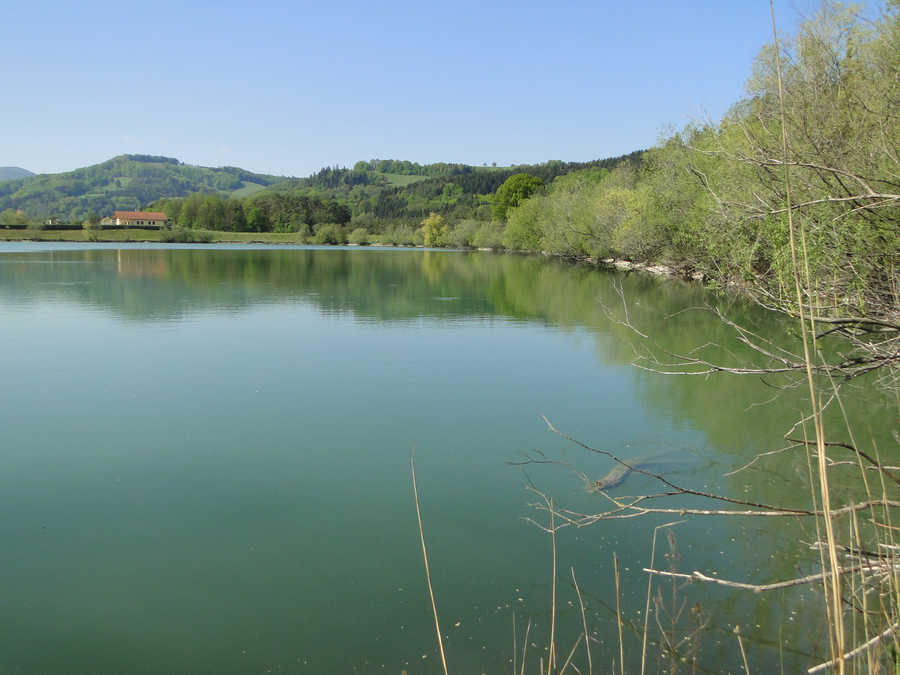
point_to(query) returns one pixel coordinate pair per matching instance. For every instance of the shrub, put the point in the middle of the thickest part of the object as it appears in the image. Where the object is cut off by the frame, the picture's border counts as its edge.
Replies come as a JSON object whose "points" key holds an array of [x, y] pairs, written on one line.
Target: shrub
{"points": [[463, 235], [359, 236], [92, 230], [489, 235], [328, 233]]}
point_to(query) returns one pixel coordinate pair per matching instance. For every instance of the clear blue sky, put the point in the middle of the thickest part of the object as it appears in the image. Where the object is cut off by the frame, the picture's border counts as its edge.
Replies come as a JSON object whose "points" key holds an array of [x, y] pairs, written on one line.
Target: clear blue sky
{"points": [[288, 87]]}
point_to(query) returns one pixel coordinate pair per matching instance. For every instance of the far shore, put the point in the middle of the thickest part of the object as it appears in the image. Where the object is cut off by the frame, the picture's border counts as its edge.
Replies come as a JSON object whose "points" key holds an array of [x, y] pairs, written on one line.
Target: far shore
{"points": [[139, 236], [149, 236]]}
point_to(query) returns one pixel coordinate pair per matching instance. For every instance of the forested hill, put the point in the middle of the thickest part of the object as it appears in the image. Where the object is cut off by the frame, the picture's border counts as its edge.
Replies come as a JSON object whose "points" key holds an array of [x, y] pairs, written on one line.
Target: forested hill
{"points": [[378, 189], [126, 182], [13, 172], [397, 189]]}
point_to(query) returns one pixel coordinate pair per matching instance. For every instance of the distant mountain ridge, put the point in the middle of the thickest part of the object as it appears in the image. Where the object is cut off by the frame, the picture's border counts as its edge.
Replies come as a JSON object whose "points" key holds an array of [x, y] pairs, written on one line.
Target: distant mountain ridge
{"points": [[127, 183], [14, 173]]}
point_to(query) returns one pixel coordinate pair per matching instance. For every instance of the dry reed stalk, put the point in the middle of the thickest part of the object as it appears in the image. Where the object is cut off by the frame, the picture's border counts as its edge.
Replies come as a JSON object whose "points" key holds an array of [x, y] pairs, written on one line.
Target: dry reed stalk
{"points": [[525, 647], [551, 657], [832, 594], [737, 632], [437, 625], [515, 644], [587, 638], [649, 591], [619, 616], [571, 654]]}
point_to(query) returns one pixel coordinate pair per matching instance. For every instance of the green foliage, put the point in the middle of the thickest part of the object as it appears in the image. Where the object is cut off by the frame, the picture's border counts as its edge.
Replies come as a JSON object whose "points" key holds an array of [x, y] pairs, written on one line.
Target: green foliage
{"points": [[328, 233], [488, 235], [515, 189], [13, 217], [92, 229], [401, 235], [359, 236], [434, 231], [524, 228], [393, 190], [463, 235]]}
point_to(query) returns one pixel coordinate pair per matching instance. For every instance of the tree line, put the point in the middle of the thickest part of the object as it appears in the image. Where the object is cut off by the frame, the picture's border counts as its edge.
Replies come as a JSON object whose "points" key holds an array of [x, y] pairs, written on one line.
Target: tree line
{"points": [[266, 212]]}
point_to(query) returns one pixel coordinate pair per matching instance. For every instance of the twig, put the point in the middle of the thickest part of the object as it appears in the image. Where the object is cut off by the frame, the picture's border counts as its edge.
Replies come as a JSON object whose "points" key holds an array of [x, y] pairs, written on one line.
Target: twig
{"points": [[855, 450], [437, 625]]}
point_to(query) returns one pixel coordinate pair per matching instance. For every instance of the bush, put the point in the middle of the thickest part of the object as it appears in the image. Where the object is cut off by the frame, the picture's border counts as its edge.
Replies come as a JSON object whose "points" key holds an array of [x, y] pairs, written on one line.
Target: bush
{"points": [[463, 235], [489, 235], [328, 233], [402, 235], [359, 236], [92, 230]]}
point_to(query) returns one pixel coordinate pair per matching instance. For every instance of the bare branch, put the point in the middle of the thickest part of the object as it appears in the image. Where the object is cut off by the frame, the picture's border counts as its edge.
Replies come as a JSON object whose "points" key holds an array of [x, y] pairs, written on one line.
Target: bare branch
{"points": [[857, 651], [762, 588]]}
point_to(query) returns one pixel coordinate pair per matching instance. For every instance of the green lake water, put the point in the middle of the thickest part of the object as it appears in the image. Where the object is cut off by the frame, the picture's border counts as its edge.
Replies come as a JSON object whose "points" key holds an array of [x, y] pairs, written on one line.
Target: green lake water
{"points": [[205, 461]]}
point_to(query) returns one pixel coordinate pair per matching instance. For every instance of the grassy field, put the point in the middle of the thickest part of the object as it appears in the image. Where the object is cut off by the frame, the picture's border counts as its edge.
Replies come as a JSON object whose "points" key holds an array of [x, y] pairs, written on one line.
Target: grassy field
{"points": [[248, 188], [148, 235]]}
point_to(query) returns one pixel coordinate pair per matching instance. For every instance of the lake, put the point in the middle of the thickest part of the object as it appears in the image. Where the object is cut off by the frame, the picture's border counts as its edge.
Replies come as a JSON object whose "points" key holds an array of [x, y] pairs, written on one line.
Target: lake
{"points": [[206, 462]]}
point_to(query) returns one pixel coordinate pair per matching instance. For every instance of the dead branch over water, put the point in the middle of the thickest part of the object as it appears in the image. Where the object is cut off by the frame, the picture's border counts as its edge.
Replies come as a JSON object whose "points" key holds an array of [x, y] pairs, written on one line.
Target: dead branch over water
{"points": [[865, 571]]}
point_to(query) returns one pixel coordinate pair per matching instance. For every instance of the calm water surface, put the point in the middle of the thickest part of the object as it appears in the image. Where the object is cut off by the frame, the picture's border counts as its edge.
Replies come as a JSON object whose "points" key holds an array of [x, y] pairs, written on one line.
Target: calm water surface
{"points": [[204, 461]]}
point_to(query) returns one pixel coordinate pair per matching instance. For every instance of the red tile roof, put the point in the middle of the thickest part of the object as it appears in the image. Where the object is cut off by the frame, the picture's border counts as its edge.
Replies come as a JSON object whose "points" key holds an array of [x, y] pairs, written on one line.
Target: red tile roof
{"points": [[140, 215]]}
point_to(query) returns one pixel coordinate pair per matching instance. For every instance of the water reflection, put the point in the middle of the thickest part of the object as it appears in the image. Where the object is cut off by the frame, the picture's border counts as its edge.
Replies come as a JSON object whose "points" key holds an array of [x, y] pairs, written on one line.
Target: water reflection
{"points": [[270, 397]]}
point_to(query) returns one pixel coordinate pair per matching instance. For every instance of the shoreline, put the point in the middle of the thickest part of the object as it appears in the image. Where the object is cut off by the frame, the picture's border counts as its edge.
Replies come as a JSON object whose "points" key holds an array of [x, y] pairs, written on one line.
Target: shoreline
{"points": [[294, 239]]}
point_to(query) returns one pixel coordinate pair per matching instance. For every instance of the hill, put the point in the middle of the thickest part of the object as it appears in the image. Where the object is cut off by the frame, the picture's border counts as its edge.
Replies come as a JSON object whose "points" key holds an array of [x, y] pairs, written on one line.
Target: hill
{"points": [[13, 173], [126, 182], [387, 189]]}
